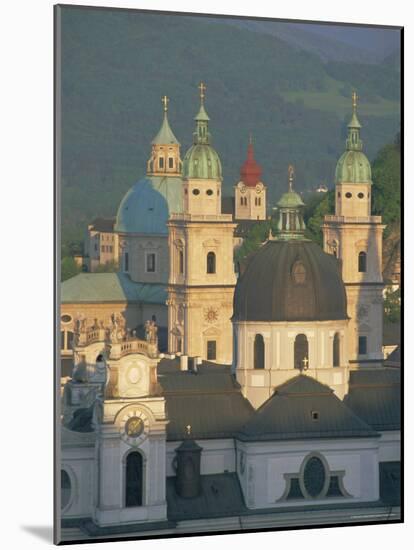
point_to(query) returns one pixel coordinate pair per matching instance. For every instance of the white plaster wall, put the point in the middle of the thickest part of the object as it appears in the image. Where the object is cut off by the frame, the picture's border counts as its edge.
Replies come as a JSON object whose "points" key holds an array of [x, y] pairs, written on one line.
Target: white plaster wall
{"points": [[79, 463], [263, 481], [390, 446], [279, 338]]}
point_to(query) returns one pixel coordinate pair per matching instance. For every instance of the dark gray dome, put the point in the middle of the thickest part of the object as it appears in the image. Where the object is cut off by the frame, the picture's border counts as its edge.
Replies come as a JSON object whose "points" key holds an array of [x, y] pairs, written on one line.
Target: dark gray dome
{"points": [[290, 281]]}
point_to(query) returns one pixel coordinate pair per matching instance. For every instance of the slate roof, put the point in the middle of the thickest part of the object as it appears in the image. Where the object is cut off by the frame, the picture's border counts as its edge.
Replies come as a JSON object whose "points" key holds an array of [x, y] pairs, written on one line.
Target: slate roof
{"points": [[220, 496], [394, 358], [104, 225], [287, 415], [110, 287], [375, 396], [210, 401], [267, 290]]}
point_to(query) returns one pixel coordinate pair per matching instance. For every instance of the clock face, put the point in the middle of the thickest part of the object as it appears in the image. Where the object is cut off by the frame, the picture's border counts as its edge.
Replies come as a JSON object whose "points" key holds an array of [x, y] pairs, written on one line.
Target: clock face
{"points": [[258, 189], [134, 426], [243, 189]]}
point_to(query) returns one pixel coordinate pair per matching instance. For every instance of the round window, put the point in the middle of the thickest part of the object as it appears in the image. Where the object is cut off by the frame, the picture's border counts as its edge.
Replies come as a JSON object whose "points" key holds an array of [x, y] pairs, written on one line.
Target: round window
{"points": [[314, 476], [196, 191], [65, 487], [66, 318], [348, 195], [360, 195], [209, 192]]}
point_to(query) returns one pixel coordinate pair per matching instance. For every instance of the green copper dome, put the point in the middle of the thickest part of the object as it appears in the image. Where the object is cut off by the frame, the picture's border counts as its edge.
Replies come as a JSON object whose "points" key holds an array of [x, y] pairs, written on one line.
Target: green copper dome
{"points": [[202, 161], [290, 224], [291, 199], [353, 166]]}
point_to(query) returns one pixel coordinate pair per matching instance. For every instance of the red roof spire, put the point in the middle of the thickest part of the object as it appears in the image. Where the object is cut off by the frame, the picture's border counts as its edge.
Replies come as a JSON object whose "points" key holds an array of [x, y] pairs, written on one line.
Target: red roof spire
{"points": [[250, 171]]}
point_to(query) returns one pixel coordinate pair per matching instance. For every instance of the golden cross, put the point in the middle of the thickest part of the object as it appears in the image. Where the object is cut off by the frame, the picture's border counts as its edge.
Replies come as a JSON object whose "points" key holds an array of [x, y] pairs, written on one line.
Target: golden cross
{"points": [[354, 100], [250, 138], [305, 362], [291, 173], [188, 429], [202, 87], [165, 101]]}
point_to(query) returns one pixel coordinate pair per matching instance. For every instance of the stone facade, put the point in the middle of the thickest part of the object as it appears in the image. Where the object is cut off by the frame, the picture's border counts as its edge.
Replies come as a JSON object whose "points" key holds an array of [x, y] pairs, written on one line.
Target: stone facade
{"points": [[354, 236], [250, 202], [279, 339], [200, 303]]}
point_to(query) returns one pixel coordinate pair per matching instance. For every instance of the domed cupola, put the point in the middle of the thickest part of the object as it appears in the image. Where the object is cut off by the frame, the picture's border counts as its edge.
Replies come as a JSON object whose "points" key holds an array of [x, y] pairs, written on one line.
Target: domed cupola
{"points": [[290, 223], [353, 166], [290, 278], [146, 207], [202, 161]]}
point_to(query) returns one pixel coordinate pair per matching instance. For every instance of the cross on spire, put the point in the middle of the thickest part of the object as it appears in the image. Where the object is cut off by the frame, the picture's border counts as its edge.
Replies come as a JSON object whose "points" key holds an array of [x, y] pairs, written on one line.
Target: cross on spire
{"points": [[202, 87], [165, 101], [188, 428], [291, 173], [304, 364], [354, 100]]}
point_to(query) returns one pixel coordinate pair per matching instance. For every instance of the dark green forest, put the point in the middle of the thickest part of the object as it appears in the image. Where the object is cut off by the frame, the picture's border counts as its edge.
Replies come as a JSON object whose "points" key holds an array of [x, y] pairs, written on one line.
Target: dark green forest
{"points": [[117, 65]]}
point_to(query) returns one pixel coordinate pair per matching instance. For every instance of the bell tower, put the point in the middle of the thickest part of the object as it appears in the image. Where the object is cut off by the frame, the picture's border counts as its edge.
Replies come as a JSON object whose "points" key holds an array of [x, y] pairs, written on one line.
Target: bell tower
{"points": [[165, 149], [250, 191], [202, 278], [354, 236]]}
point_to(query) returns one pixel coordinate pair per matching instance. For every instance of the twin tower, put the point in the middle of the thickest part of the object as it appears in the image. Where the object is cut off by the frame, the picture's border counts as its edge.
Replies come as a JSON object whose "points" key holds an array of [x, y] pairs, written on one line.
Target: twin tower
{"points": [[201, 244]]}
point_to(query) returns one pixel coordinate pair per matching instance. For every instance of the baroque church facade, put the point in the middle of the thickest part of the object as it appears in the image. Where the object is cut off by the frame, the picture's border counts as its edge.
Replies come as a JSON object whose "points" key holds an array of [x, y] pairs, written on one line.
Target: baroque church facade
{"points": [[285, 404]]}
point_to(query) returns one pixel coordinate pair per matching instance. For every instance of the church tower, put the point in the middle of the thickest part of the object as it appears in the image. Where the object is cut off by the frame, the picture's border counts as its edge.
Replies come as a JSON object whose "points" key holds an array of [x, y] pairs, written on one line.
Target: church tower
{"points": [[250, 192], [354, 236], [202, 278]]}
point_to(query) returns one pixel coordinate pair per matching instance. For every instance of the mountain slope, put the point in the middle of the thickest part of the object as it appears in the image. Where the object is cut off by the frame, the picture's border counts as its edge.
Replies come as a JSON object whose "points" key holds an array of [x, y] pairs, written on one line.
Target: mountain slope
{"points": [[116, 65]]}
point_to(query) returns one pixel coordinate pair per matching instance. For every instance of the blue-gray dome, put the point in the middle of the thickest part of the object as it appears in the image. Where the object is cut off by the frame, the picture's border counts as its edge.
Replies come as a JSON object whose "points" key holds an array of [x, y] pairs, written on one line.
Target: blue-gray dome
{"points": [[148, 204]]}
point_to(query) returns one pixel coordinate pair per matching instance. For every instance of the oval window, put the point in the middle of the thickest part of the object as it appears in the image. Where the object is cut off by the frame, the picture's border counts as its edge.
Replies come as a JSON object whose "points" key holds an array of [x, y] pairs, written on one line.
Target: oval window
{"points": [[299, 273], [65, 488], [314, 476], [348, 195], [360, 195], [196, 191], [209, 192], [66, 318]]}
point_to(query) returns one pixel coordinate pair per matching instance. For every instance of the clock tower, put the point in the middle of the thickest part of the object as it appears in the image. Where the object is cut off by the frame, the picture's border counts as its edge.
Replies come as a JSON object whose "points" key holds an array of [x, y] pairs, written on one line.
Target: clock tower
{"points": [[202, 278], [250, 191], [115, 377]]}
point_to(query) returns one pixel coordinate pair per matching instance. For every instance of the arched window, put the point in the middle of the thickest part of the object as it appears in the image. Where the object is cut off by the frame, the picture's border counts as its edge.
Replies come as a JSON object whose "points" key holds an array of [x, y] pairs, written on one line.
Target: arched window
{"points": [[126, 262], [336, 350], [259, 352], [284, 220], [301, 352], [65, 488], [362, 262], [181, 261], [211, 262], [134, 479]]}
